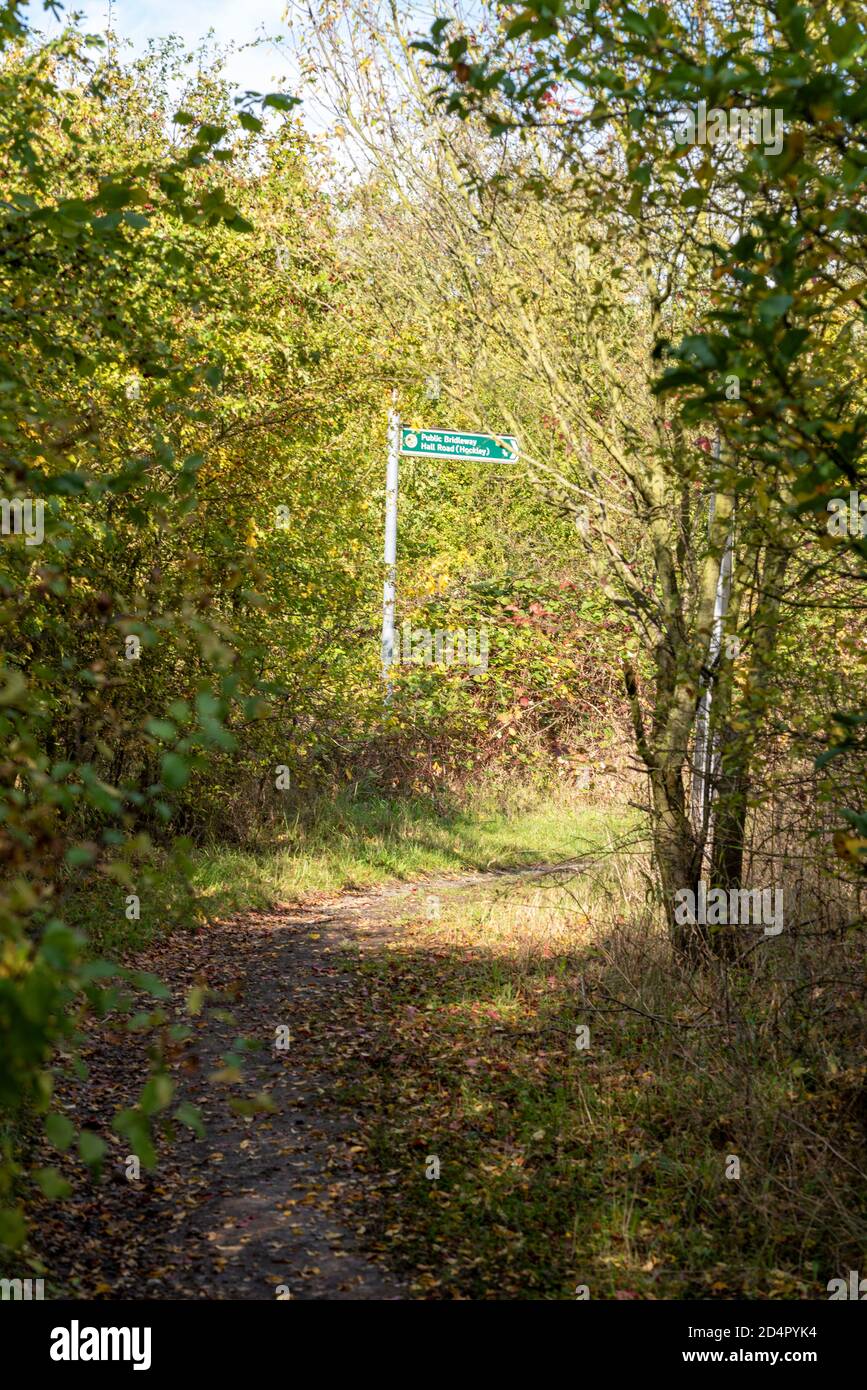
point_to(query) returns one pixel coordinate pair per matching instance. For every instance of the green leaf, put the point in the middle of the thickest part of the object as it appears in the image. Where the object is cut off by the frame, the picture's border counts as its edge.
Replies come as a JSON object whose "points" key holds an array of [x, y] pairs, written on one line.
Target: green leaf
{"points": [[210, 134], [150, 983], [13, 1228], [133, 1125], [636, 24], [52, 1182], [773, 308], [191, 1116], [281, 101], [157, 1094], [260, 1103], [80, 854], [91, 1148], [161, 728], [59, 1130], [174, 771]]}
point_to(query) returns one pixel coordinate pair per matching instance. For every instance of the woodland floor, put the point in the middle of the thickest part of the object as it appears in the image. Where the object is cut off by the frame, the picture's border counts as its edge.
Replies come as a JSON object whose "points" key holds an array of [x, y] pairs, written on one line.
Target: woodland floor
{"points": [[438, 1128], [291, 1203]]}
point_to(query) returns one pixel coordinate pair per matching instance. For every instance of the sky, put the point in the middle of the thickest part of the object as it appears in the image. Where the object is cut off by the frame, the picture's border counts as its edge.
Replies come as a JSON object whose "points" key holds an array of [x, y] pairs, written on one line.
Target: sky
{"points": [[267, 67], [261, 69]]}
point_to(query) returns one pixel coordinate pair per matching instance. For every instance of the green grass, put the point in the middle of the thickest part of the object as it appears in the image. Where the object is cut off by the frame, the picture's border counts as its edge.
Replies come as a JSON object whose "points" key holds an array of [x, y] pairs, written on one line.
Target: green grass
{"points": [[603, 1166], [346, 843], [562, 1167], [357, 845]]}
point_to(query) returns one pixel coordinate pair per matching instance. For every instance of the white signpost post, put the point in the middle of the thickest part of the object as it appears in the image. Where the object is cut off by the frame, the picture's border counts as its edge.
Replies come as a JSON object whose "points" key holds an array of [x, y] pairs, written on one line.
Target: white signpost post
{"points": [[418, 443], [390, 586]]}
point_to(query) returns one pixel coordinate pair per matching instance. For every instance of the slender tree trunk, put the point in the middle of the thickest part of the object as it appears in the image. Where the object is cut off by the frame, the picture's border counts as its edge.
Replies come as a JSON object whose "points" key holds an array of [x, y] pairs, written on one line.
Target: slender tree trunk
{"points": [[738, 742], [677, 850]]}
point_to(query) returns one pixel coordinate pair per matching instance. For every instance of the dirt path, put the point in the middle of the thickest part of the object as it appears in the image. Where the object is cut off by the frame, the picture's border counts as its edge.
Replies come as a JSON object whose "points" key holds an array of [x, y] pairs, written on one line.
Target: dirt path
{"points": [[275, 1205]]}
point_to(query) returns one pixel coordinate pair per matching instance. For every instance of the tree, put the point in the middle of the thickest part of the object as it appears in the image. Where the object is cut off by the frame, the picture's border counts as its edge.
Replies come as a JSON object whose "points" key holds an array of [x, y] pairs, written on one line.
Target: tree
{"points": [[545, 281]]}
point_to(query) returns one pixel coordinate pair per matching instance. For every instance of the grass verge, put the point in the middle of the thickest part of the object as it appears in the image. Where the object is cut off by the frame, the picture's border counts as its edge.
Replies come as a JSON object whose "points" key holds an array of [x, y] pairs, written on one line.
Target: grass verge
{"points": [[347, 844], [703, 1139]]}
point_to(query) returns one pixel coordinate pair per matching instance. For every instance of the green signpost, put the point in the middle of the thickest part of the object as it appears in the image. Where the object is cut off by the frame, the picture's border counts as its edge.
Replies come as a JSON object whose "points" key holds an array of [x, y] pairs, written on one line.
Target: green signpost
{"points": [[456, 444], [435, 444]]}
